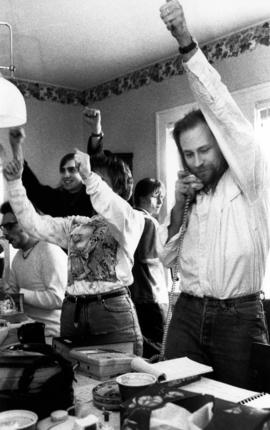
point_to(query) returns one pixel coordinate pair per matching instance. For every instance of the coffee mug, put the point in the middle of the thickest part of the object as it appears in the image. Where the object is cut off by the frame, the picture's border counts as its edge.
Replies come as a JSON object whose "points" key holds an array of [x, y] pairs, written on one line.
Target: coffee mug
{"points": [[131, 384]]}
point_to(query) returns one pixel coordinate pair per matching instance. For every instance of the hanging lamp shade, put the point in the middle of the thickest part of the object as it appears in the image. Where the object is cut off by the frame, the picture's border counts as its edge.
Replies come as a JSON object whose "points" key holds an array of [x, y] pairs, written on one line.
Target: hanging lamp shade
{"points": [[12, 105]]}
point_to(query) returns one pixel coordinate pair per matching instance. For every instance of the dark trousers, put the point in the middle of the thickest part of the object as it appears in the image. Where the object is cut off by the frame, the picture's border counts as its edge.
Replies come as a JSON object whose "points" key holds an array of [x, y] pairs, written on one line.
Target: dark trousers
{"points": [[218, 333], [151, 320]]}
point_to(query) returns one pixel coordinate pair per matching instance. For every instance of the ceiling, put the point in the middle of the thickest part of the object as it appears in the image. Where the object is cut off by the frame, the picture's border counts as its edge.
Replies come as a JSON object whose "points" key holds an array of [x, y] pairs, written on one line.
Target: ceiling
{"points": [[82, 43]]}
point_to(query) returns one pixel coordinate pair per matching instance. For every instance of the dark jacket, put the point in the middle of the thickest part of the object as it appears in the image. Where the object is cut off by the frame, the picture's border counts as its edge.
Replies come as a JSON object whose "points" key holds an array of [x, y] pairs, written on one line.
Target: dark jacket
{"points": [[55, 201]]}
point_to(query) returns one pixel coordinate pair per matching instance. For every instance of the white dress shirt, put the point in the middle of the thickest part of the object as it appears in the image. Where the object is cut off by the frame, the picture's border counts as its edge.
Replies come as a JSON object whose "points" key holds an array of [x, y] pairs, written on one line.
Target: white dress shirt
{"points": [[227, 239]]}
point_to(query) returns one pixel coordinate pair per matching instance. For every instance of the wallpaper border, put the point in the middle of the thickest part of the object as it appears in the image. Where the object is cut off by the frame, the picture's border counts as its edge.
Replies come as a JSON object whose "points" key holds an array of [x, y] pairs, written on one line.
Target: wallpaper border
{"points": [[225, 47]]}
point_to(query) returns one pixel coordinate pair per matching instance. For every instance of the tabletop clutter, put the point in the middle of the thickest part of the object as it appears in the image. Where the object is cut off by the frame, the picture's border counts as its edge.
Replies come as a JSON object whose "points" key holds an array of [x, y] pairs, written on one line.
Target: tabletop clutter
{"points": [[112, 388]]}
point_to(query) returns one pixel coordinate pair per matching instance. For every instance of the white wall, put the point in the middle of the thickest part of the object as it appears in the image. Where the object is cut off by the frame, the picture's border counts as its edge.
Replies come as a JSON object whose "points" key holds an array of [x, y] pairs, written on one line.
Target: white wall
{"points": [[54, 129]]}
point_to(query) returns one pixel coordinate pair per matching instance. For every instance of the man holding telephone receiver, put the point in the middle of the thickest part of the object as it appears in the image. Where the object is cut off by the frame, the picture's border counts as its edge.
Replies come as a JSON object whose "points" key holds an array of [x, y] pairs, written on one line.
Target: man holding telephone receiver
{"points": [[223, 187]]}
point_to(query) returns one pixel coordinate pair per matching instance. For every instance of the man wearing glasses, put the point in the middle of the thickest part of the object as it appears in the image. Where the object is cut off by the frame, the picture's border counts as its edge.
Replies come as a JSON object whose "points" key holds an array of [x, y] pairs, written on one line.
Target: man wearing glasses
{"points": [[38, 271]]}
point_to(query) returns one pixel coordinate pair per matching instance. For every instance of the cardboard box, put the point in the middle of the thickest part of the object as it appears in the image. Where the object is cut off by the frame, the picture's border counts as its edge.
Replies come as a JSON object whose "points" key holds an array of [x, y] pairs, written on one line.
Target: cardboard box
{"points": [[100, 363]]}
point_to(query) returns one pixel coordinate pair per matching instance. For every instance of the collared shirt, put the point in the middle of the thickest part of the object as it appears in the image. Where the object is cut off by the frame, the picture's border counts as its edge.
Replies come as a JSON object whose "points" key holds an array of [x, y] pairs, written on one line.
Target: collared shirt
{"points": [[227, 239], [100, 248]]}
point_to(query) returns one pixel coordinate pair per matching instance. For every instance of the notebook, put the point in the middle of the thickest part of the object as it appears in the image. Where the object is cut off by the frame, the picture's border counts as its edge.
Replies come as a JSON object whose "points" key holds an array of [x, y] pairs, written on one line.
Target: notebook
{"points": [[259, 401], [174, 369], [220, 390], [230, 393]]}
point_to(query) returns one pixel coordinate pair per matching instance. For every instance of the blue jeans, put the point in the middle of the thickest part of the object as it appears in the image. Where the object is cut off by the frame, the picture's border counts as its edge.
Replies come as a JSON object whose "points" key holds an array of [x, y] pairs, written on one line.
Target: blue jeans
{"points": [[218, 333], [101, 322]]}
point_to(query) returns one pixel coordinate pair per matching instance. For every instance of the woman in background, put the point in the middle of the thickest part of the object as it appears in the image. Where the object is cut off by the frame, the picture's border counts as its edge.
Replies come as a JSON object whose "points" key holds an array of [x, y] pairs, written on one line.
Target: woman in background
{"points": [[149, 290]]}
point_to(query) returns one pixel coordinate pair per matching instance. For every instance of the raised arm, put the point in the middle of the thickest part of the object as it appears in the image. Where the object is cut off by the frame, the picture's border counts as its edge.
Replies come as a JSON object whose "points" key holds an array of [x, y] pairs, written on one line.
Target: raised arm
{"points": [[233, 132], [43, 227], [42, 196], [126, 223], [92, 118]]}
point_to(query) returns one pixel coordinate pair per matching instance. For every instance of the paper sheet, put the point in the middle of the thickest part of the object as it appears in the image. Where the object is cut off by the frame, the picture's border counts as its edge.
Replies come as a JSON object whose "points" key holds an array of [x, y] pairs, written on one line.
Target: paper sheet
{"points": [[176, 368]]}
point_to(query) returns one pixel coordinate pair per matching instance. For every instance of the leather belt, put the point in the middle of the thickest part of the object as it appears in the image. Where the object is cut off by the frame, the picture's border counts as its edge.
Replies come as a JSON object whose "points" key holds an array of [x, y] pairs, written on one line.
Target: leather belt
{"points": [[230, 301], [88, 298]]}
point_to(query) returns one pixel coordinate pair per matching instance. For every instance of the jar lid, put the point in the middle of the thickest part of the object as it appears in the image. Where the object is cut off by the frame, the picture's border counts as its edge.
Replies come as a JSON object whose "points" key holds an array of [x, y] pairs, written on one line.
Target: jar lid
{"points": [[60, 415]]}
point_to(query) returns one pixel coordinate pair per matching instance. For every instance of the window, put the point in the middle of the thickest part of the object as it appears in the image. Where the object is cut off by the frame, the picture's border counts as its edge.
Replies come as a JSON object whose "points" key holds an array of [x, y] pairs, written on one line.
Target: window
{"points": [[168, 159]]}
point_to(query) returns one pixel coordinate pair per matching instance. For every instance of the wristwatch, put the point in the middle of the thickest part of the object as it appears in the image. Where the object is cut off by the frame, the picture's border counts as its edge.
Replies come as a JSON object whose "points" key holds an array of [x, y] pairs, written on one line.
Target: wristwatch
{"points": [[186, 49]]}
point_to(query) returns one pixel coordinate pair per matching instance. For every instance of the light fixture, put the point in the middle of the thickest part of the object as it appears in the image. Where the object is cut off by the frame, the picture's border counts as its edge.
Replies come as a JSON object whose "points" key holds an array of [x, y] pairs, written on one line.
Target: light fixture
{"points": [[12, 104]]}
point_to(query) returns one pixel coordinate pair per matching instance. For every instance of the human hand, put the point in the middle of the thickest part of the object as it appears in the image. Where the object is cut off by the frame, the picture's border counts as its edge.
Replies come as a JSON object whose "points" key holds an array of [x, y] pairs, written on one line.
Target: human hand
{"points": [[82, 161], [186, 186], [16, 138], [13, 170], [172, 14], [93, 118]]}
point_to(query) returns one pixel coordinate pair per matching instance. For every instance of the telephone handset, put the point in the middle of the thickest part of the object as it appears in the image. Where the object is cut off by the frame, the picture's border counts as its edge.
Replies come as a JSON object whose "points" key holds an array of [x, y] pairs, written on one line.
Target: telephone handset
{"points": [[195, 183]]}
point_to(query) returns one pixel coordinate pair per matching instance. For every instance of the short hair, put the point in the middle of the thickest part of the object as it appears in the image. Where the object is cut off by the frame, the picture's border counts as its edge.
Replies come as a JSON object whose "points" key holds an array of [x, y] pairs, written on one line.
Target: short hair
{"points": [[65, 159], [6, 208], [189, 121], [145, 187], [118, 171]]}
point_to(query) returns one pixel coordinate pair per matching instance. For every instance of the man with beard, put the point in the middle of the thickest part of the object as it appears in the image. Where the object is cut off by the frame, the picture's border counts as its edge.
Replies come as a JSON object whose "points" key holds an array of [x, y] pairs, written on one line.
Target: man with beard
{"points": [[222, 193]]}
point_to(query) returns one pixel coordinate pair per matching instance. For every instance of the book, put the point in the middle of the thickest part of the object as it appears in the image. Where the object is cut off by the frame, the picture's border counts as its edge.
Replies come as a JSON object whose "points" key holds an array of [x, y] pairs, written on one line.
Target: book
{"points": [[174, 369]]}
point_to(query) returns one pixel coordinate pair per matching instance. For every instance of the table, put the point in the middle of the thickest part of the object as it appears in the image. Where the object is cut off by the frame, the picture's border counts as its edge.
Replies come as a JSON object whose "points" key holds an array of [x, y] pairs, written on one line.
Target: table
{"points": [[83, 398]]}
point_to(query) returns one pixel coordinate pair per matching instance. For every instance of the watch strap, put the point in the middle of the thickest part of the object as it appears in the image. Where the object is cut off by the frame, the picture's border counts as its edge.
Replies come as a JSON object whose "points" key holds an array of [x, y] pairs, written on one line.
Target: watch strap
{"points": [[186, 49]]}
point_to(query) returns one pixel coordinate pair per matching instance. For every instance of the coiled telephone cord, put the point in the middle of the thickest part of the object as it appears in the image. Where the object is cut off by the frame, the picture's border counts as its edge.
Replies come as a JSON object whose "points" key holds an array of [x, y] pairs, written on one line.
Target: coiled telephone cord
{"points": [[175, 278]]}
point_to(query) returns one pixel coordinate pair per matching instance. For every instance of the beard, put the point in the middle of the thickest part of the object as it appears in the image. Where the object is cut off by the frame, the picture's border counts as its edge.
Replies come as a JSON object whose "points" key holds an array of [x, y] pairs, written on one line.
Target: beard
{"points": [[211, 174]]}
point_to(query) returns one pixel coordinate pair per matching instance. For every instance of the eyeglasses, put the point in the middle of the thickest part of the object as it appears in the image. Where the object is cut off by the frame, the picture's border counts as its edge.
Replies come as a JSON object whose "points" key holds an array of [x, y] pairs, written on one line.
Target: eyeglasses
{"points": [[8, 226]]}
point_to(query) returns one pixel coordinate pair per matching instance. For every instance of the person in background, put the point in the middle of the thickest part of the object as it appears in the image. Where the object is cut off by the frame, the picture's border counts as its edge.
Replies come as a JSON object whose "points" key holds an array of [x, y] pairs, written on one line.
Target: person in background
{"points": [[38, 271], [224, 188], [95, 149], [149, 289], [70, 197], [97, 309]]}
